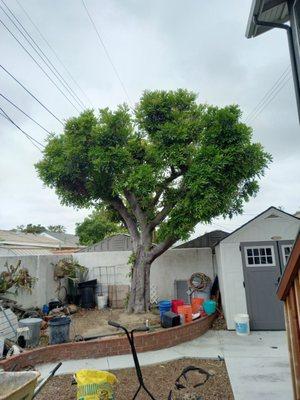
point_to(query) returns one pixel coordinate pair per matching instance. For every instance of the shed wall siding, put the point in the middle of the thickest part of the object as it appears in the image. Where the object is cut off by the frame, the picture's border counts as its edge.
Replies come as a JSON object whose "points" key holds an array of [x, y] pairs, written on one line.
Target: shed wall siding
{"points": [[230, 268]]}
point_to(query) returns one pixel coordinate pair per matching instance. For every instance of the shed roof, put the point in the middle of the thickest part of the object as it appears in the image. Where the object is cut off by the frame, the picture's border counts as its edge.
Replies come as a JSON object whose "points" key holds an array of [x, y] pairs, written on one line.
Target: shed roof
{"points": [[266, 10], [257, 216], [209, 239]]}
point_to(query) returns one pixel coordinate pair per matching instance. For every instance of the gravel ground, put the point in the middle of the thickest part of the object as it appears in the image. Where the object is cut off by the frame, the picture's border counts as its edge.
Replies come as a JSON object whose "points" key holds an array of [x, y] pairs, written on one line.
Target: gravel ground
{"points": [[159, 379]]}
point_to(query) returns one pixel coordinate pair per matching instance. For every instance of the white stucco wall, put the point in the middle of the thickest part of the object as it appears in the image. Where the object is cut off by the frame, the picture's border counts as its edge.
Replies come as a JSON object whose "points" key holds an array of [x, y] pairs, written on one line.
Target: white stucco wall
{"points": [[40, 267], [229, 259], [173, 265]]}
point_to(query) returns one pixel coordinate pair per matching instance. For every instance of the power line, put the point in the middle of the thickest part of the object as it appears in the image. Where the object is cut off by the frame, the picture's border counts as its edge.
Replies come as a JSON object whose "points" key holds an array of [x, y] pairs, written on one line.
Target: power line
{"points": [[54, 52], [29, 137], [269, 93], [37, 63], [106, 52], [23, 112], [32, 95], [272, 98], [52, 67]]}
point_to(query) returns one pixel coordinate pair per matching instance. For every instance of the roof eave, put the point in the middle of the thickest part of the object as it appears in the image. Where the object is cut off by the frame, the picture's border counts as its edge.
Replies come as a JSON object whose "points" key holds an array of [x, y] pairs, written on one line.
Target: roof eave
{"points": [[255, 9]]}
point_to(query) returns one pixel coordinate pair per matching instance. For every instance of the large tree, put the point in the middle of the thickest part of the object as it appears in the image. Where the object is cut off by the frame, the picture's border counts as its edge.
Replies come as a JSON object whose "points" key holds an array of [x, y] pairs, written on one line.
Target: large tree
{"points": [[97, 226], [164, 167]]}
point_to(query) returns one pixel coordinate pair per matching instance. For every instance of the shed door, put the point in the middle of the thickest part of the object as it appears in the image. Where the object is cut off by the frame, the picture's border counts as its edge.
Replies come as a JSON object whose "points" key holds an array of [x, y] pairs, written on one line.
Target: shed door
{"points": [[262, 272]]}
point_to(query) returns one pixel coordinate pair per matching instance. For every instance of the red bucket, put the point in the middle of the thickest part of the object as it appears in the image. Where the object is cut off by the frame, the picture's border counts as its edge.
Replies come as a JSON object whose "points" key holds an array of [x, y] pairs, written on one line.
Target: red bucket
{"points": [[175, 304]]}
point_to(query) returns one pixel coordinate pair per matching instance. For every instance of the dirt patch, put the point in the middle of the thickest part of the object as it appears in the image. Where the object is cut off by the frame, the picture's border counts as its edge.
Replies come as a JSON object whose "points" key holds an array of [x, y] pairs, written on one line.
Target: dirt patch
{"points": [[159, 379], [219, 323], [94, 322]]}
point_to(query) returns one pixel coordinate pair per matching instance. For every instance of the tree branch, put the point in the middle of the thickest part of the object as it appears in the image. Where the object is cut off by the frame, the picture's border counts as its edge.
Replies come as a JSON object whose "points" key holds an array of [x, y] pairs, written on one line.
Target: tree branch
{"points": [[161, 248], [137, 211], [160, 217], [119, 206], [160, 188]]}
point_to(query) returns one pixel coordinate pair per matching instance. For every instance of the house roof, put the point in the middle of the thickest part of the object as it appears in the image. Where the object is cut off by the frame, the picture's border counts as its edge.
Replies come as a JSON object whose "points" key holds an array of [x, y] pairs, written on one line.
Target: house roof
{"points": [[257, 216], [25, 239], [209, 239], [64, 238], [268, 11]]}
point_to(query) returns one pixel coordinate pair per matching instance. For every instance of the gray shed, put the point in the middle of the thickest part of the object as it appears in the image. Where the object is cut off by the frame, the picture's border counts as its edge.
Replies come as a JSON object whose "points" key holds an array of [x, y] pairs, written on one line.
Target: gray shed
{"points": [[120, 242]]}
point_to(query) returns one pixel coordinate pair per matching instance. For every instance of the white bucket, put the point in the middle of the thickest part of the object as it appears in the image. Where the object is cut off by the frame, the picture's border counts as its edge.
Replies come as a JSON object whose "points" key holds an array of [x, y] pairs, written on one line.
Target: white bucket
{"points": [[102, 302], [242, 326]]}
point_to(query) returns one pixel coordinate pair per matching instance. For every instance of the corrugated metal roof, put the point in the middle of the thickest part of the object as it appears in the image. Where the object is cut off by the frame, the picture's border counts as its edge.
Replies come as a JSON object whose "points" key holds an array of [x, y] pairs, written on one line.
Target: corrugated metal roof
{"points": [[30, 252], [269, 11]]}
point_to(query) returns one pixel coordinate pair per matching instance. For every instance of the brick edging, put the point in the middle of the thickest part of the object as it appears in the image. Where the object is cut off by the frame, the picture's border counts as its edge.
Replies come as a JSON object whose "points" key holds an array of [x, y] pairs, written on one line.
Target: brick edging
{"points": [[109, 346]]}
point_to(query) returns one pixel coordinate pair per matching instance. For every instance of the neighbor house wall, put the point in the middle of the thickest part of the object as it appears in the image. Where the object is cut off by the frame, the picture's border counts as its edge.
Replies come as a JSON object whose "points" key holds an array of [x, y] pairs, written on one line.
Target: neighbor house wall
{"points": [[229, 258]]}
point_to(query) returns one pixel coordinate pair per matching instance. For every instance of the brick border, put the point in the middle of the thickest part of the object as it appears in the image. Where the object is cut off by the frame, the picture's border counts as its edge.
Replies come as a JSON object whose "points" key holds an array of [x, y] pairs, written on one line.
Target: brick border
{"points": [[110, 346]]}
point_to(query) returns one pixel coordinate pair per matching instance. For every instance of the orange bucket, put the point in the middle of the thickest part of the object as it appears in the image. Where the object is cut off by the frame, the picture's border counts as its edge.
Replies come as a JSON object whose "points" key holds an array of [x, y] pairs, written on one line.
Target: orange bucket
{"points": [[188, 313], [196, 304]]}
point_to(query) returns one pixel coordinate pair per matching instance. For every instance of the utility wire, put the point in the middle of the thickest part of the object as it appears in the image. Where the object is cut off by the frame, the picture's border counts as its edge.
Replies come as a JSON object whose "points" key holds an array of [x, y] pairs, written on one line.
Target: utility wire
{"points": [[268, 94], [101, 42], [52, 67], [272, 98], [23, 112], [35, 142], [54, 52], [37, 63], [31, 94]]}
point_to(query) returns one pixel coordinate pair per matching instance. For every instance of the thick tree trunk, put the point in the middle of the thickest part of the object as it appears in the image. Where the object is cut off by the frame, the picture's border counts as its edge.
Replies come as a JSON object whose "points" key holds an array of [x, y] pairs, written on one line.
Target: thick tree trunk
{"points": [[139, 299]]}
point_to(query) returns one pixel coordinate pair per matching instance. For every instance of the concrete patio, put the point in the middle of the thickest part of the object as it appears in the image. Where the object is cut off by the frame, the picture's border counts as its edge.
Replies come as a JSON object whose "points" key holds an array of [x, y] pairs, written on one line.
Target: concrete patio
{"points": [[258, 365]]}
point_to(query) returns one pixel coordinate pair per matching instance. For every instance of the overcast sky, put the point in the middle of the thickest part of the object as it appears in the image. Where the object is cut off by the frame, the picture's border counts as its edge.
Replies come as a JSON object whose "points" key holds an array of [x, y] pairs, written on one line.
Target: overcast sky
{"points": [[199, 45]]}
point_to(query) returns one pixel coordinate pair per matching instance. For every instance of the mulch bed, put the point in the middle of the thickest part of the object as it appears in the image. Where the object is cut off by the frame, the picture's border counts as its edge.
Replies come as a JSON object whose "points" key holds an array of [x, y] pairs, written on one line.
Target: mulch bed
{"points": [[159, 379]]}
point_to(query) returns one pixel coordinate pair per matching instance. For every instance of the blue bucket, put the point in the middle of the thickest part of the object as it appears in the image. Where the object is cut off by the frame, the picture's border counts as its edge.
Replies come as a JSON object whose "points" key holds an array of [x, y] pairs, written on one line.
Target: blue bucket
{"points": [[210, 307], [164, 306]]}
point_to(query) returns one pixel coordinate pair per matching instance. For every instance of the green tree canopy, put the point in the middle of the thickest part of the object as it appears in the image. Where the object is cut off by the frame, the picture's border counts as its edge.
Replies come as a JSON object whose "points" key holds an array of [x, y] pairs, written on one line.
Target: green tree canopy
{"points": [[164, 167], [96, 227], [56, 228], [31, 228]]}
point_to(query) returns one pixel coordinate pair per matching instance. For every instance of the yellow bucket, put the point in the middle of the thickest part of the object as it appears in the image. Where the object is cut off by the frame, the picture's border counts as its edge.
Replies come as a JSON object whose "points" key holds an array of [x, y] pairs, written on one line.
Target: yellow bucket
{"points": [[95, 385]]}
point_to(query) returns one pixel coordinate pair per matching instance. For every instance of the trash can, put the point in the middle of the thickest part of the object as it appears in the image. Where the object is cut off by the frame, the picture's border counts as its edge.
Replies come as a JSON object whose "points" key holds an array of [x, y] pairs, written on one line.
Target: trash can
{"points": [[242, 326], [34, 326], [87, 293], [59, 330]]}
